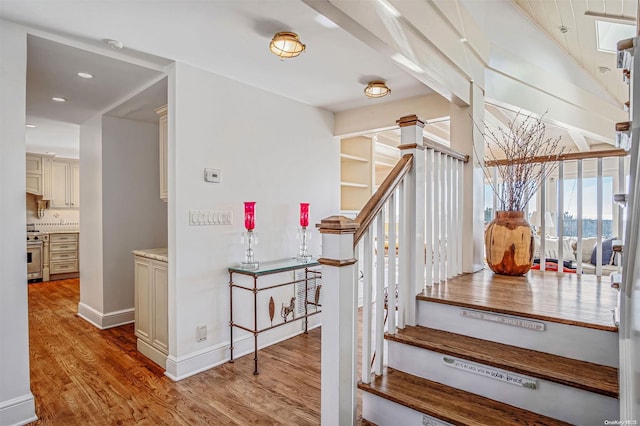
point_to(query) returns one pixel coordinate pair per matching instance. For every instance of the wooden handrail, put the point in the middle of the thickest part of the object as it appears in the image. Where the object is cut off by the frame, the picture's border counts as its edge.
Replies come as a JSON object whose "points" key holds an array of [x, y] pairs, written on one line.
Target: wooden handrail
{"points": [[445, 150], [564, 157], [377, 201]]}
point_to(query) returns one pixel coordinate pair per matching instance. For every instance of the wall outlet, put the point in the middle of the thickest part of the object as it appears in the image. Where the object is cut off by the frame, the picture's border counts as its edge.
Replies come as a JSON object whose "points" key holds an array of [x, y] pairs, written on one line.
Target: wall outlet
{"points": [[212, 175], [201, 333]]}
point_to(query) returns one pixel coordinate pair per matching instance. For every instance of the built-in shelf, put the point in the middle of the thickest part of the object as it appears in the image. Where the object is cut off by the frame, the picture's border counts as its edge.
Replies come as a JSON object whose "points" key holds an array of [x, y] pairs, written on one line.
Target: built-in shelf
{"points": [[354, 184], [353, 158], [385, 164]]}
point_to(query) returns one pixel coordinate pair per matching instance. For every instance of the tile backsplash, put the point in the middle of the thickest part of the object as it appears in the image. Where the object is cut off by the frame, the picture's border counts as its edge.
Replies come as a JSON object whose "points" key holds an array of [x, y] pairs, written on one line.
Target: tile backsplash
{"points": [[53, 219]]}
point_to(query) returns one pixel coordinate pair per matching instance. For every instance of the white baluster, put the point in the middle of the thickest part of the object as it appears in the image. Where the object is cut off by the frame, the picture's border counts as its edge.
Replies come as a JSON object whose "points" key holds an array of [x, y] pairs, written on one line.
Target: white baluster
{"points": [[560, 221], [429, 207], [443, 218], [379, 331], [579, 219], [403, 244], [436, 217], [391, 278], [599, 221], [367, 271], [460, 210]]}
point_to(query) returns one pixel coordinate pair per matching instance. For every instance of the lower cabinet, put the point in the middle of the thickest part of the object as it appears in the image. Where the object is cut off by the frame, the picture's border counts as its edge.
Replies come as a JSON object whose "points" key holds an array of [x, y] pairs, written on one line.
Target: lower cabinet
{"points": [[63, 254], [151, 309]]}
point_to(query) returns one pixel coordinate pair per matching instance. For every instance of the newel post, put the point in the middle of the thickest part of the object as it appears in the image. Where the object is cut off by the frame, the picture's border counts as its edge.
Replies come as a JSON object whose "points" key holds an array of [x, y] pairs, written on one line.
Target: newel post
{"points": [[339, 322], [411, 142]]}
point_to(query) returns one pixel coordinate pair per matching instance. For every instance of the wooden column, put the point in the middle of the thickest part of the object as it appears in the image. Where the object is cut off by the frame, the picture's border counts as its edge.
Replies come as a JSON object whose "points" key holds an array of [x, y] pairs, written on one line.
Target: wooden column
{"points": [[411, 142], [339, 322]]}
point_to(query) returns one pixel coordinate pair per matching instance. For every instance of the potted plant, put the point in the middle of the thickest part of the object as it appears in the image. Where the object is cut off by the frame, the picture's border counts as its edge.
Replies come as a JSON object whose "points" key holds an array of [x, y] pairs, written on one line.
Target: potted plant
{"points": [[524, 157]]}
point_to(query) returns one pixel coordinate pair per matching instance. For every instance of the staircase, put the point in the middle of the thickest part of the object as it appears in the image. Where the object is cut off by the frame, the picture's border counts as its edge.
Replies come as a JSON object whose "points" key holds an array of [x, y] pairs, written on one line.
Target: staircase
{"points": [[493, 350]]}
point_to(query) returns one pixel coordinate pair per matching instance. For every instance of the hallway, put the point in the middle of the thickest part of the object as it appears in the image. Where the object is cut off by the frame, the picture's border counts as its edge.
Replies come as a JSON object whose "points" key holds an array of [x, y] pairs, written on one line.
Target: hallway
{"points": [[81, 375]]}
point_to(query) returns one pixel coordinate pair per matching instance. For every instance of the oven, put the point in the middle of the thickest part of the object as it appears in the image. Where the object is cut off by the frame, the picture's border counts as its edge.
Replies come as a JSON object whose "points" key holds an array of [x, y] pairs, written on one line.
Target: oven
{"points": [[34, 257]]}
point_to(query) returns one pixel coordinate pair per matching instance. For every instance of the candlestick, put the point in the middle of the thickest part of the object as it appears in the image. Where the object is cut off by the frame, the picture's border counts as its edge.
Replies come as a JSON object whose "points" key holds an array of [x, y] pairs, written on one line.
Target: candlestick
{"points": [[304, 234], [249, 238]]}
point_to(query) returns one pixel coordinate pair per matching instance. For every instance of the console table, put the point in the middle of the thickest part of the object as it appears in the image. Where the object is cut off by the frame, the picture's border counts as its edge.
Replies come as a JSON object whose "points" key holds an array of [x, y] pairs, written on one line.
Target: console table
{"points": [[311, 279]]}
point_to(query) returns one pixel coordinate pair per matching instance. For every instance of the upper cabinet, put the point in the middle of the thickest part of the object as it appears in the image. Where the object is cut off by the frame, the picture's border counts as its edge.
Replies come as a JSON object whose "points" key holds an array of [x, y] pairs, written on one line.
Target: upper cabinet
{"points": [[55, 179], [65, 183], [162, 114], [34, 174]]}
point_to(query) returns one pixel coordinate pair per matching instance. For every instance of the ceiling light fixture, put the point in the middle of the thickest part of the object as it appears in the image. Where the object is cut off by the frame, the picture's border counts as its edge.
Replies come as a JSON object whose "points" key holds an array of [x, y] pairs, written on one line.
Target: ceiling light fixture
{"points": [[59, 99], [85, 75], [376, 89], [563, 29], [286, 45], [30, 125]]}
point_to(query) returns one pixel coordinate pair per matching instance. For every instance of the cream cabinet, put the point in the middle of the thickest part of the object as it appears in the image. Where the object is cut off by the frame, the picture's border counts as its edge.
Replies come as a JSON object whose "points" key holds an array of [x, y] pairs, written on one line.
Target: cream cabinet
{"points": [[34, 174], [151, 308], [65, 183], [63, 254], [162, 114]]}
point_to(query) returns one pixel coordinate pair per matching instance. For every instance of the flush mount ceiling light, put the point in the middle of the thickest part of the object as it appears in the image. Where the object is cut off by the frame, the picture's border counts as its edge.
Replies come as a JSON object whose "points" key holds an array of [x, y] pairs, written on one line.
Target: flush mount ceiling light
{"points": [[85, 75], [58, 99], [30, 125], [286, 45], [376, 89]]}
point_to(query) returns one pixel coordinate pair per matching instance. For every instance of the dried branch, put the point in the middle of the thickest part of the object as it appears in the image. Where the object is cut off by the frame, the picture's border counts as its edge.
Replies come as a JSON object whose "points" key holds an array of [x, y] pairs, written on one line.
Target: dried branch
{"points": [[522, 140]]}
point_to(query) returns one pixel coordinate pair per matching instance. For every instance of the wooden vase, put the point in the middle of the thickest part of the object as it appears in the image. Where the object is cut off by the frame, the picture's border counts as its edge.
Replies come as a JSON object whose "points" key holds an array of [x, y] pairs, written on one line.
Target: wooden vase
{"points": [[509, 243]]}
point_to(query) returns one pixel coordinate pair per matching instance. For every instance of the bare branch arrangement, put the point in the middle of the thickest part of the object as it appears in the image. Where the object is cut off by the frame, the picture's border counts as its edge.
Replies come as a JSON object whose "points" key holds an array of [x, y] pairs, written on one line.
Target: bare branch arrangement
{"points": [[524, 159]]}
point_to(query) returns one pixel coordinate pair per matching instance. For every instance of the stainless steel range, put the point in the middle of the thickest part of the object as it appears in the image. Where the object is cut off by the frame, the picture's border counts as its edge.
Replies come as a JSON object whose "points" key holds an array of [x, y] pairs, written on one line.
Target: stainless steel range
{"points": [[34, 254]]}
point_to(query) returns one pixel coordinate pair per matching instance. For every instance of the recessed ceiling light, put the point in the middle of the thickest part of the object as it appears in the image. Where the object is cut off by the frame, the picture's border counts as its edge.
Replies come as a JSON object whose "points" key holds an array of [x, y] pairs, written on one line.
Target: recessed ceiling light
{"points": [[30, 125], [85, 75], [58, 99]]}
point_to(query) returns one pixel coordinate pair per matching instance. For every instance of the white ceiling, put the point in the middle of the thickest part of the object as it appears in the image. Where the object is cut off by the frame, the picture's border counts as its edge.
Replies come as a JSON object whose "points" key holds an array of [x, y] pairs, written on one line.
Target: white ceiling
{"points": [[230, 38]]}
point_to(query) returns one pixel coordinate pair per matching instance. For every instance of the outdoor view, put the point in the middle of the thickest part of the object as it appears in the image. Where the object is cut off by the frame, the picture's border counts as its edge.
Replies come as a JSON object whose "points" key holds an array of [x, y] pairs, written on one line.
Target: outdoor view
{"points": [[589, 208]]}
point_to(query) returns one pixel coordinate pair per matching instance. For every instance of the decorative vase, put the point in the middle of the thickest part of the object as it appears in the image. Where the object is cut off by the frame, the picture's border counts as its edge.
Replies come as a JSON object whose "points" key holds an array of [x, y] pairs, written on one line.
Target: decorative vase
{"points": [[509, 243]]}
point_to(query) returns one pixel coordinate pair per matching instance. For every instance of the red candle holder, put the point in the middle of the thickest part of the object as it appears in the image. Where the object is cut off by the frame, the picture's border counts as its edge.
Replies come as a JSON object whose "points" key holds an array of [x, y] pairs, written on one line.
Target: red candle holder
{"points": [[304, 214], [304, 234], [249, 238], [250, 215]]}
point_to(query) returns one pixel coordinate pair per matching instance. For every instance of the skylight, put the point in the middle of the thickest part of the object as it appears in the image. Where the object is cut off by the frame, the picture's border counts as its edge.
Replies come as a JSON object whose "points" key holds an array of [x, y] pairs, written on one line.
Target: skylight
{"points": [[610, 33]]}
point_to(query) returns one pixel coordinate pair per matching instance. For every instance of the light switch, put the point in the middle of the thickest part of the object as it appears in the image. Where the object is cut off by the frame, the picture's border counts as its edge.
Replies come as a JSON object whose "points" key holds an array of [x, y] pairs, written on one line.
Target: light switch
{"points": [[212, 175]]}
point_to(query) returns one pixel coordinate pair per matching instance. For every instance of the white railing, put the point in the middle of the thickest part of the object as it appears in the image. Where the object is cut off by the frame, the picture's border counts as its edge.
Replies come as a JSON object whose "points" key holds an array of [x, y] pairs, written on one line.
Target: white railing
{"points": [[406, 237], [583, 204], [386, 247]]}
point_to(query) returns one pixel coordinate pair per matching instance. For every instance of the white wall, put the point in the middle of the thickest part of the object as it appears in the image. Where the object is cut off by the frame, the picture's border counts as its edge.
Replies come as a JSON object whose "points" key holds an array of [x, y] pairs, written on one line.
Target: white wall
{"points": [[133, 216], [91, 250], [121, 212], [16, 401], [271, 150]]}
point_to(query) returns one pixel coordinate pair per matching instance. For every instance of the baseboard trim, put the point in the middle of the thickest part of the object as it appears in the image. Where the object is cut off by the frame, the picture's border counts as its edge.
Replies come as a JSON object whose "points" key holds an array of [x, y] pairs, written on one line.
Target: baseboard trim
{"points": [[179, 368], [18, 411], [108, 320]]}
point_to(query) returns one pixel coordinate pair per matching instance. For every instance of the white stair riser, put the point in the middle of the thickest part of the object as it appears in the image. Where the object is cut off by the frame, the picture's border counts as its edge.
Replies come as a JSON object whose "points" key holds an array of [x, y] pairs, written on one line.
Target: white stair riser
{"points": [[551, 399], [383, 412], [586, 344]]}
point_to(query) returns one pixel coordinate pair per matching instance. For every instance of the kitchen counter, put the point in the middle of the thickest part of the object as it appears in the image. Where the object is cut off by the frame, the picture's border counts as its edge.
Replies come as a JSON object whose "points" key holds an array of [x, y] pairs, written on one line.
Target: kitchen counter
{"points": [[62, 231], [160, 254]]}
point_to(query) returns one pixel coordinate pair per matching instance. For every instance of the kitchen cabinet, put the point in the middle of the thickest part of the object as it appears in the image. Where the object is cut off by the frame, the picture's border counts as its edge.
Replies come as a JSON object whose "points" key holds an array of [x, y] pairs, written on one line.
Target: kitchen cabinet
{"points": [[34, 174], [162, 115], [65, 183], [151, 304], [63, 254]]}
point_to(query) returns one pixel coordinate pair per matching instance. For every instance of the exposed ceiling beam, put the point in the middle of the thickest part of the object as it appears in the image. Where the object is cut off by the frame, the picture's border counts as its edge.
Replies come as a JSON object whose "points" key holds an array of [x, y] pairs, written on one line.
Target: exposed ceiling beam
{"points": [[579, 140], [611, 18]]}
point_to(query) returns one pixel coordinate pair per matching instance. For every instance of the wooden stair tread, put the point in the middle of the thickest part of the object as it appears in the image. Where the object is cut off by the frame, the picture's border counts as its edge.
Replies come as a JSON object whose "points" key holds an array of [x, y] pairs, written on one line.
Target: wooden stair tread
{"points": [[571, 372], [449, 404], [567, 299]]}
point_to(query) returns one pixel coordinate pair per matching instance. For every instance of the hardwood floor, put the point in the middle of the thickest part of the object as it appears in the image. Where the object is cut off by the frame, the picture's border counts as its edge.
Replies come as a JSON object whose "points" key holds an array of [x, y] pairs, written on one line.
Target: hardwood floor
{"points": [[582, 300], [81, 375]]}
